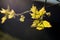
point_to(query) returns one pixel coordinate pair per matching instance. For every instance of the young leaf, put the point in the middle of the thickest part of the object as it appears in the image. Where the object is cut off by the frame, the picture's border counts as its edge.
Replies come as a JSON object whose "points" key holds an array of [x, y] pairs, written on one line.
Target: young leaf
{"points": [[42, 11], [22, 18], [3, 19], [37, 14], [33, 9], [48, 14], [35, 22], [40, 26], [11, 14], [46, 24]]}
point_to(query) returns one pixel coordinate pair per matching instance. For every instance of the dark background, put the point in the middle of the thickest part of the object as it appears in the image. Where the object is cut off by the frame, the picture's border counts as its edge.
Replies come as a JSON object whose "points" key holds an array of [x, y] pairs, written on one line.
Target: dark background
{"points": [[23, 31]]}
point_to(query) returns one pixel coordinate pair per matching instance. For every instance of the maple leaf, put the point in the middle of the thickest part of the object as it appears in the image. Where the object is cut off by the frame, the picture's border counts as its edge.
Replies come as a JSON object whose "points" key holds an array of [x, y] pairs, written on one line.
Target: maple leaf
{"points": [[43, 24], [42, 11], [40, 25], [35, 22], [8, 14], [37, 14]]}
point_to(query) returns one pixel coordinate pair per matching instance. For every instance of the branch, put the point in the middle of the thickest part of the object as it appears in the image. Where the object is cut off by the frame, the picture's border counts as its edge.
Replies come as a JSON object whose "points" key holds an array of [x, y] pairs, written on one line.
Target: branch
{"points": [[18, 14]]}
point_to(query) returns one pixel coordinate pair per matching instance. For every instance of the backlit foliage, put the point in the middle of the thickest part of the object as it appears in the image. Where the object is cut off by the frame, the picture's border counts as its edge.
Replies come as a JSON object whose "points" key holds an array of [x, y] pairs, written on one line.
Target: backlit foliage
{"points": [[8, 14], [36, 15]]}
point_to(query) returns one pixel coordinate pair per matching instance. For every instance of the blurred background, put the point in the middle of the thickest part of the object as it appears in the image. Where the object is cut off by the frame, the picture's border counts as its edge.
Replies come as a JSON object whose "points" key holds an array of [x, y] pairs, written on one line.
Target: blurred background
{"points": [[13, 29]]}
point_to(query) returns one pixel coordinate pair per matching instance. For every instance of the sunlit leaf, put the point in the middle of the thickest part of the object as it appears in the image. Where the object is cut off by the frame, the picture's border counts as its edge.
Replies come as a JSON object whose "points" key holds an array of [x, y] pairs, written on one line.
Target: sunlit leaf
{"points": [[3, 19], [43, 24], [46, 24], [11, 14], [33, 9], [35, 22], [32, 15], [40, 26], [22, 18], [3, 11], [35, 13], [42, 11]]}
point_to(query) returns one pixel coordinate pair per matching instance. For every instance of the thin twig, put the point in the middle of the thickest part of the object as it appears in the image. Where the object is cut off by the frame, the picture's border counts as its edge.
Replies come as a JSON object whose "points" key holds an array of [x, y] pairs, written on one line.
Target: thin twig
{"points": [[18, 14]]}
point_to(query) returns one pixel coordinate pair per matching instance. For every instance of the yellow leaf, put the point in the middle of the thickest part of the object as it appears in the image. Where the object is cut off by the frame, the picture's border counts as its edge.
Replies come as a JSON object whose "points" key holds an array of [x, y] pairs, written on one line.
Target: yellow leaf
{"points": [[11, 14], [39, 28], [3, 11], [3, 19], [35, 22], [42, 25], [48, 14], [37, 16], [33, 9], [33, 15], [42, 11], [46, 24], [22, 18], [33, 25]]}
